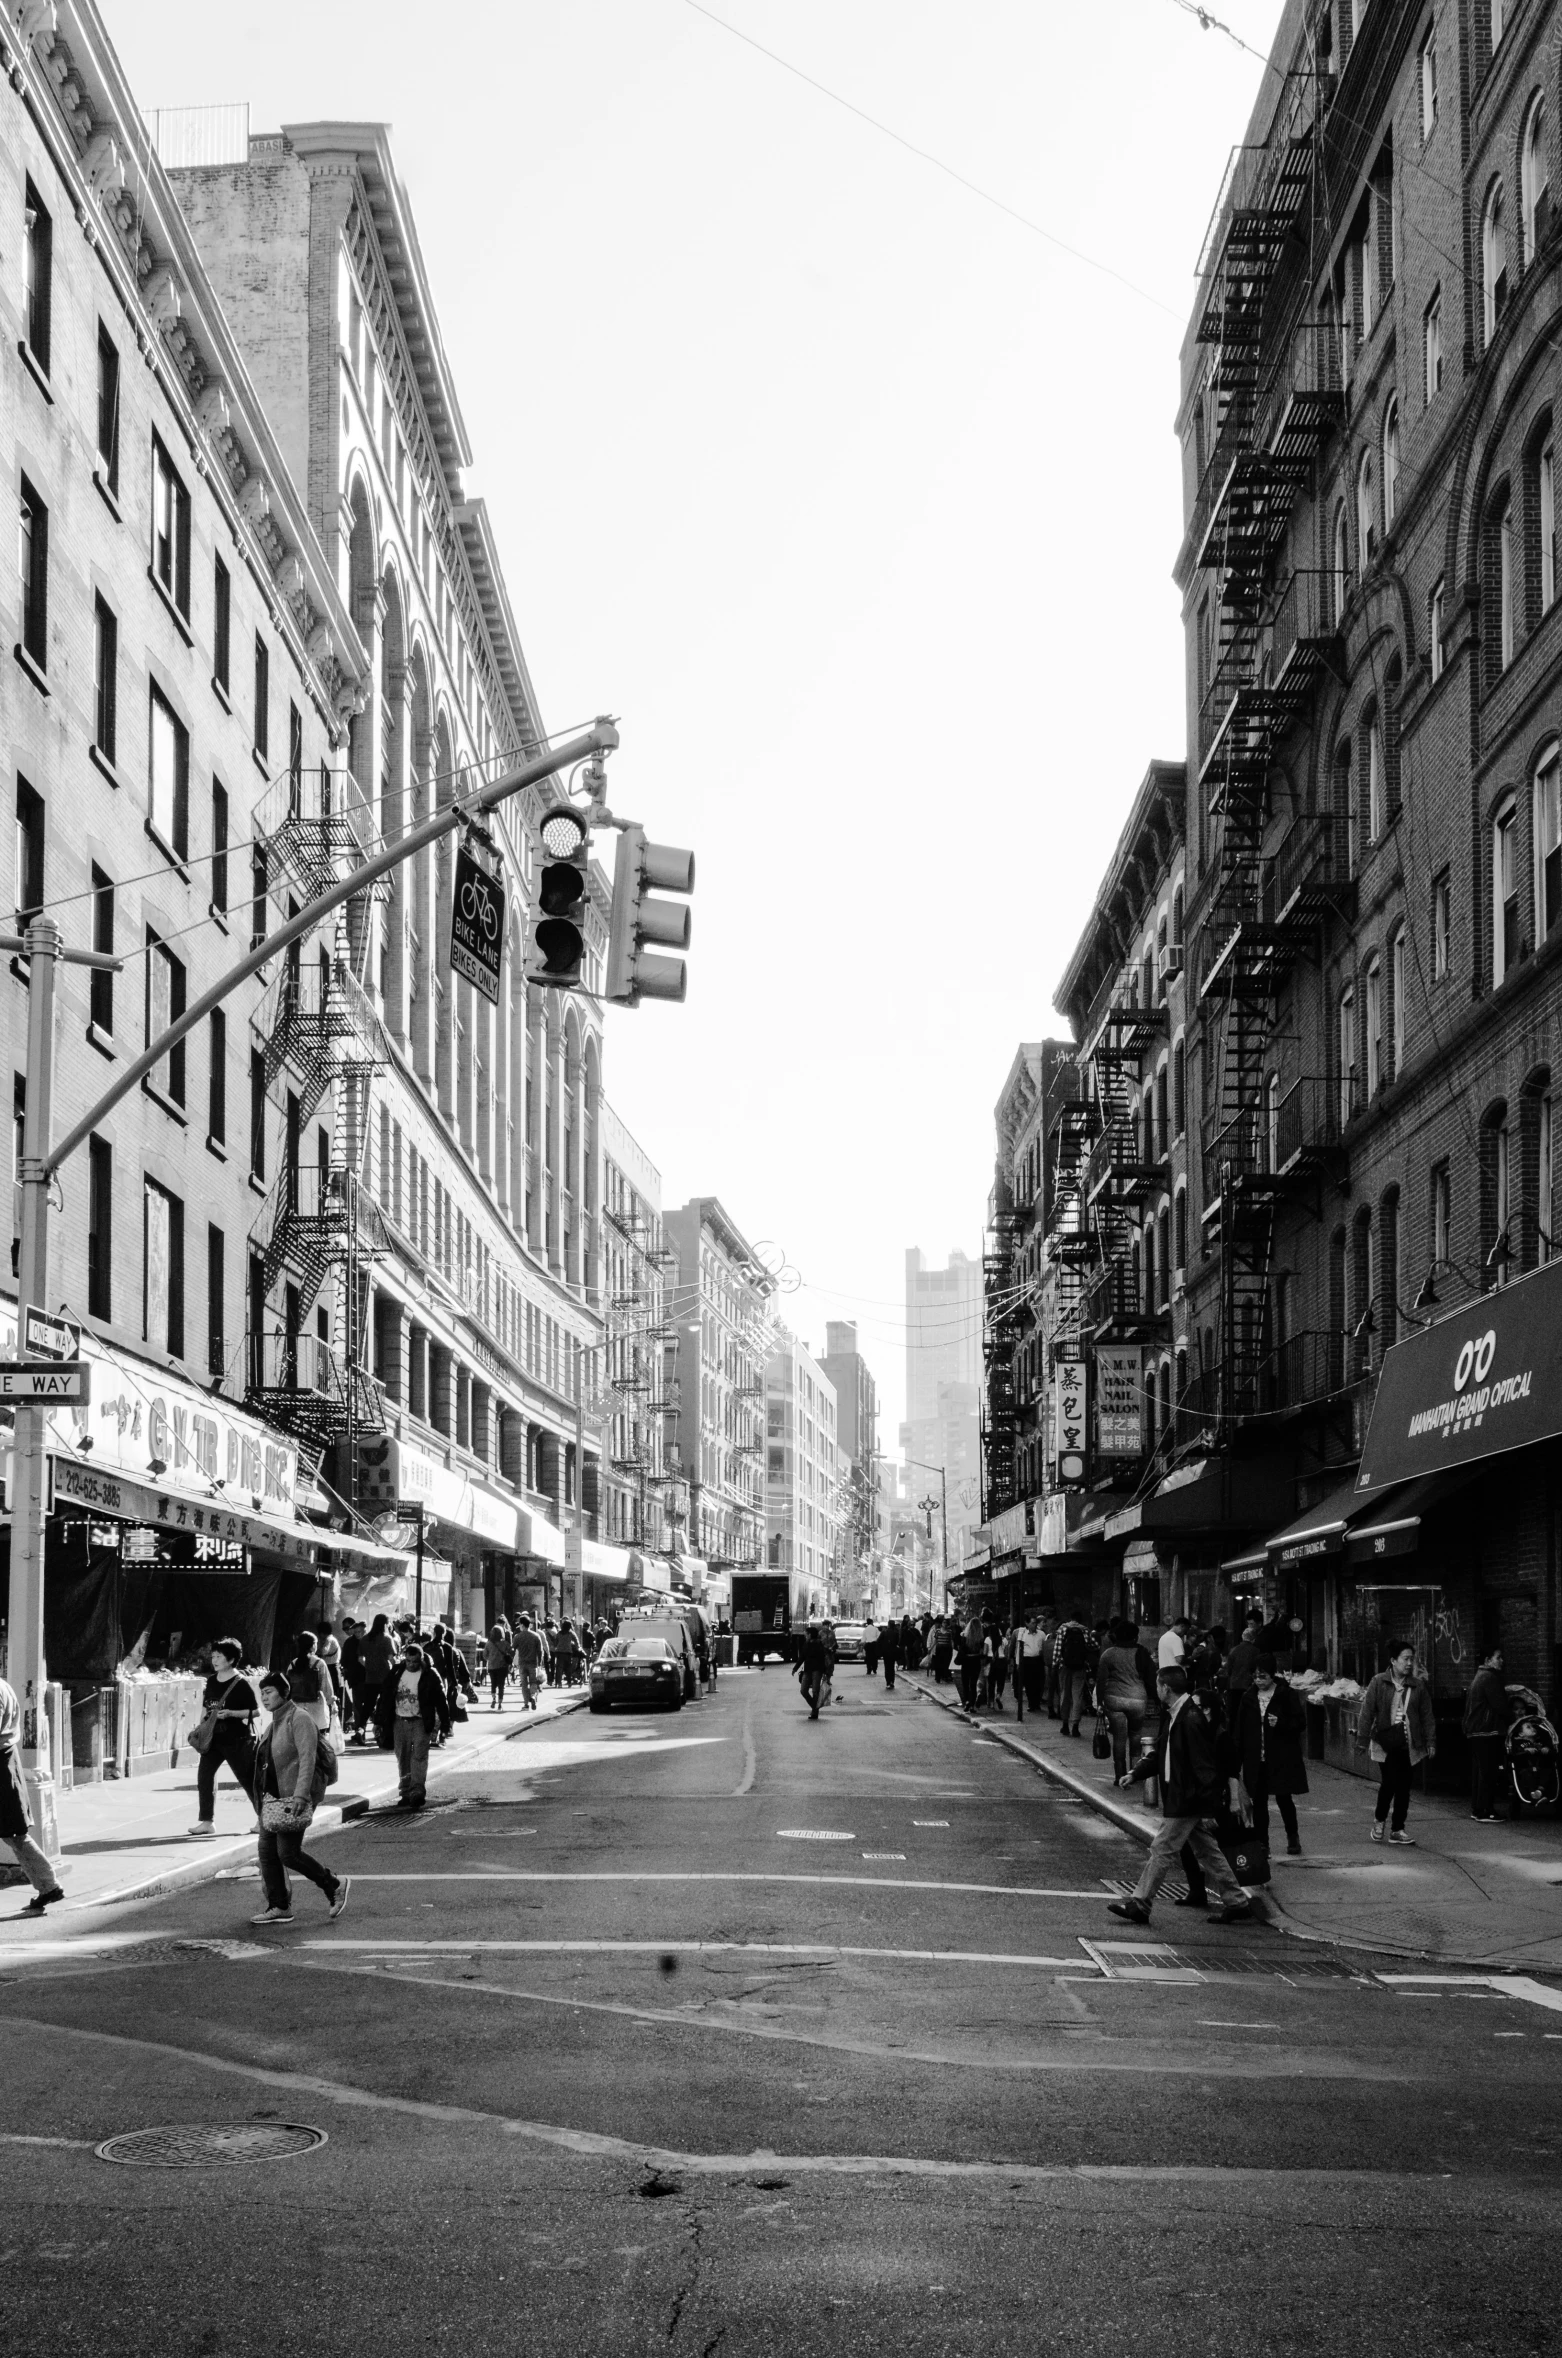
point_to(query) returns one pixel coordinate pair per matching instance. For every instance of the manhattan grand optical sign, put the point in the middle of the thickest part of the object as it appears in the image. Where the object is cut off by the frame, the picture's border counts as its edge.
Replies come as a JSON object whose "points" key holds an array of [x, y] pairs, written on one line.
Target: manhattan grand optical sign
{"points": [[1485, 1380]]}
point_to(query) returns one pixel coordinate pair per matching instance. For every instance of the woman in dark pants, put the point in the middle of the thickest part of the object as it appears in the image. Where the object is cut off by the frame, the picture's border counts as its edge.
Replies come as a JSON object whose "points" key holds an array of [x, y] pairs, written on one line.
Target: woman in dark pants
{"points": [[1396, 1726], [231, 1701], [1271, 1724]]}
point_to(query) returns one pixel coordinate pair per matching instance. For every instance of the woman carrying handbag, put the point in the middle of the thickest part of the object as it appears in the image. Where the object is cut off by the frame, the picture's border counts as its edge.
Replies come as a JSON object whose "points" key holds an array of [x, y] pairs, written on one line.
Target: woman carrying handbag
{"points": [[225, 1731], [290, 1781]]}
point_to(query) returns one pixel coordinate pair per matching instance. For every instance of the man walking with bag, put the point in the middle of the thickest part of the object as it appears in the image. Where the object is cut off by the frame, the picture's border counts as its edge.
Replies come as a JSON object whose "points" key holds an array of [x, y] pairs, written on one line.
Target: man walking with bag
{"points": [[1184, 1759]]}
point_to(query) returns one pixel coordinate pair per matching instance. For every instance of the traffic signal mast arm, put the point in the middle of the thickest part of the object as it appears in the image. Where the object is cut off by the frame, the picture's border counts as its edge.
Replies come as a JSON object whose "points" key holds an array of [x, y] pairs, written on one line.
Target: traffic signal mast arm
{"points": [[601, 737]]}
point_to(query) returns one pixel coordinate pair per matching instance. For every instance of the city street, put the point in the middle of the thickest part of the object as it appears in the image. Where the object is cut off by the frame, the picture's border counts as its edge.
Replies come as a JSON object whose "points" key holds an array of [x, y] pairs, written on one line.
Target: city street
{"points": [[726, 2030]]}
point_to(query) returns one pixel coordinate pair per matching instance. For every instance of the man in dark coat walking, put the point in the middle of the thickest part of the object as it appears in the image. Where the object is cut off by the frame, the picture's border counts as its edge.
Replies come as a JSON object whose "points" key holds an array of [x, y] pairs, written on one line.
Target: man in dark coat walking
{"points": [[1184, 1760], [1486, 1716], [889, 1653]]}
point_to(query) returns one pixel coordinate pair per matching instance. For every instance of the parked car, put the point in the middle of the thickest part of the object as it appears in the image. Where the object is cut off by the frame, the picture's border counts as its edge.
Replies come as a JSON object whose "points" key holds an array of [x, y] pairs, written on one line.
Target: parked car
{"points": [[672, 1626], [637, 1669], [851, 1640]]}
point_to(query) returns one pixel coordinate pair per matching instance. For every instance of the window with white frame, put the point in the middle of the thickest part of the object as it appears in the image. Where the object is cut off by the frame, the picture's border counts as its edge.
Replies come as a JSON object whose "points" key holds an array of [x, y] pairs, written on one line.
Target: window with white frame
{"points": [[1494, 261], [1534, 183], [1428, 64], [1543, 1180], [1432, 345], [1347, 1053], [1366, 522], [1548, 841], [1374, 1014], [169, 762], [1442, 925], [1390, 463], [1505, 893], [1396, 985], [1434, 628]]}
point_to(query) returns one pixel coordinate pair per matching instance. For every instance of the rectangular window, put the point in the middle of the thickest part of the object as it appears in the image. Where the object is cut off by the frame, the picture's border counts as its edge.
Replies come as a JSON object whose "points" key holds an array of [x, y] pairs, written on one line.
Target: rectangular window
{"points": [[170, 777], [164, 1006], [1374, 783], [33, 568], [1347, 1056], [262, 697], [1505, 895], [1442, 1212], [217, 1083], [1434, 628], [37, 276], [108, 409], [162, 1289], [295, 757], [1442, 924], [1429, 82], [170, 529], [29, 853], [101, 986], [105, 678], [1432, 347], [260, 896], [216, 1273], [222, 614], [219, 847], [100, 1228], [257, 1113]]}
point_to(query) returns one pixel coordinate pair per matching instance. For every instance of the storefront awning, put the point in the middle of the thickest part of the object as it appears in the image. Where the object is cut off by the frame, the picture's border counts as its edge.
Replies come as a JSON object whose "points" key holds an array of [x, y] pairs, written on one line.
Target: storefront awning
{"points": [[1484, 1380], [1390, 1524], [1318, 1532], [1218, 1494], [99, 1491]]}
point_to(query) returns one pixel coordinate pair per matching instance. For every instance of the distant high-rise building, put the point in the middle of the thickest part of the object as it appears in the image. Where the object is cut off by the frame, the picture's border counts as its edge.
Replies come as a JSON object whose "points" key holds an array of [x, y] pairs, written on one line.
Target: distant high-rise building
{"points": [[942, 1431], [857, 1430]]}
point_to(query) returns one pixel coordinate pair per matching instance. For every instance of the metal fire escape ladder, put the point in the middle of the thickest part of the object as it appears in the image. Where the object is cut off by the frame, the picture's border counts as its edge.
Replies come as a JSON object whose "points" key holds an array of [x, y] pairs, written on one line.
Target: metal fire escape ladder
{"points": [[1123, 1170], [1278, 398], [998, 1423]]}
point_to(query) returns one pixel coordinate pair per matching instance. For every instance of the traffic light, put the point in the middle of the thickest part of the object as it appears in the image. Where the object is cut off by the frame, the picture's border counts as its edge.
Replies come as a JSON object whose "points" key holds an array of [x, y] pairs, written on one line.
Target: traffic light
{"points": [[559, 937], [634, 973]]}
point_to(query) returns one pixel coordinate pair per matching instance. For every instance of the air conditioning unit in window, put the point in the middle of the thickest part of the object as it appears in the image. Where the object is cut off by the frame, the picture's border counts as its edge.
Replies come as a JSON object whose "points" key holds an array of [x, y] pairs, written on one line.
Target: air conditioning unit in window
{"points": [[1169, 963], [1179, 1284]]}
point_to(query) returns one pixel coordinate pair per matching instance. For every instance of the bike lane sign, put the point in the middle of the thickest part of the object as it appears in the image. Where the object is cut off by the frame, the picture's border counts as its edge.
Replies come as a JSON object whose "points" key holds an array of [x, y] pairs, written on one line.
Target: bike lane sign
{"points": [[477, 926]]}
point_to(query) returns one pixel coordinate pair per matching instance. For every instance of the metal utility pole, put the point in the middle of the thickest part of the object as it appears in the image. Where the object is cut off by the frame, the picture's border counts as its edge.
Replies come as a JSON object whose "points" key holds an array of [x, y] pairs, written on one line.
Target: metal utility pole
{"points": [[943, 1513], [40, 1161]]}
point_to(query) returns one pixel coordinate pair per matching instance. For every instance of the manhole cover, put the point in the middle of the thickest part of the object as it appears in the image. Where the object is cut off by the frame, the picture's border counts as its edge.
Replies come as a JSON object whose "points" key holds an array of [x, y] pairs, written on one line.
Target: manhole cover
{"points": [[194, 2148]]}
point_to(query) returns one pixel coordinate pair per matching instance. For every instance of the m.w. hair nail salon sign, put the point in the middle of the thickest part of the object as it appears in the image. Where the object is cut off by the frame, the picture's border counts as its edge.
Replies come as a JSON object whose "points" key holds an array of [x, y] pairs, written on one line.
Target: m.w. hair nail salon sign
{"points": [[1483, 1380]]}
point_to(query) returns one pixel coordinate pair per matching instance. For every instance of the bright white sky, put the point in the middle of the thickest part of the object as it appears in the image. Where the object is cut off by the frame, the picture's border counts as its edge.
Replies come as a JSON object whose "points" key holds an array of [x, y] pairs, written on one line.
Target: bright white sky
{"points": [[855, 500]]}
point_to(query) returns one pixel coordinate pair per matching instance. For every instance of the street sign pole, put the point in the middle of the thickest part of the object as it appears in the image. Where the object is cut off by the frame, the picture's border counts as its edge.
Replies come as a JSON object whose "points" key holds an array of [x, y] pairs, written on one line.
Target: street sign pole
{"points": [[29, 1462]]}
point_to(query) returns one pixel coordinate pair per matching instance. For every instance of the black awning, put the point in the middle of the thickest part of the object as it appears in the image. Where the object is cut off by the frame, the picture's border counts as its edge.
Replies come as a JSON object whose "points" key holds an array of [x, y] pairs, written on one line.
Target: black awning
{"points": [[1486, 1379], [1389, 1523], [1319, 1532]]}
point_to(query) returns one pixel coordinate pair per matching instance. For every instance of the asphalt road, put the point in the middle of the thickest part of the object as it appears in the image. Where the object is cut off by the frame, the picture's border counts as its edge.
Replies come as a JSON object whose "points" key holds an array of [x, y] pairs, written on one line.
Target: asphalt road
{"points": [[730, 2032]]}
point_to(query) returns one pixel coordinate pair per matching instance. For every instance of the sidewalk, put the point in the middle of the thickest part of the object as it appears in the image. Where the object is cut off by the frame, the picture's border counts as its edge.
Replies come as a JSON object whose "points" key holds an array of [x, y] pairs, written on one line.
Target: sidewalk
{"points": [[1487, 1897], [128, 1839]]}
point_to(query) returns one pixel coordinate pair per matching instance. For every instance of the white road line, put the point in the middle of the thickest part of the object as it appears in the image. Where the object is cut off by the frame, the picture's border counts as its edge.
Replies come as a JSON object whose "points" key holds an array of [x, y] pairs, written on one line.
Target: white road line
{"points": [[72, 2144], [1506, 1985], [590, 2145], [811, 1834], [681, 1948], [627, 1875]]}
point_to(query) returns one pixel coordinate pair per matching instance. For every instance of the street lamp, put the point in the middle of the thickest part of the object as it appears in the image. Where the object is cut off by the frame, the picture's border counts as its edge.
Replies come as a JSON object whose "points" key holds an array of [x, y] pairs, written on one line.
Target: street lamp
{"points": [[943, 1514]]}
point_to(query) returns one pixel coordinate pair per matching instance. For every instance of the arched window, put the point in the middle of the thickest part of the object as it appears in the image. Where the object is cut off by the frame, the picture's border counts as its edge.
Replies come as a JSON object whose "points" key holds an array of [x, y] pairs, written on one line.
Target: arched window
{"points": [[1396, 1011], [1534, 183], [1377, 802], [1544, 576], [1163, 1255], [1548, 841], [1345, 808], [1374, 997], [1543, 1182], [1500, 586], [1180, 1231], [1494, 261], [1390, 463], [1388, 1268], [1366, 524], [1505, 892]]}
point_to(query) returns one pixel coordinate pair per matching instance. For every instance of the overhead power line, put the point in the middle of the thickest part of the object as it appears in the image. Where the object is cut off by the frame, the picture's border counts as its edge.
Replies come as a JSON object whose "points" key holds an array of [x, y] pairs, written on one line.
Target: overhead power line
{"points": [[926, 156]]}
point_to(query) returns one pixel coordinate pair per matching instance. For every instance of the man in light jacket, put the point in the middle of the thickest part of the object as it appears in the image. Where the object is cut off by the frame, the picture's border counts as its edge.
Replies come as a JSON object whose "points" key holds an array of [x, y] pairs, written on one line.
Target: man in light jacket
{"points": [[1396, 1727], [1184, 1760]]}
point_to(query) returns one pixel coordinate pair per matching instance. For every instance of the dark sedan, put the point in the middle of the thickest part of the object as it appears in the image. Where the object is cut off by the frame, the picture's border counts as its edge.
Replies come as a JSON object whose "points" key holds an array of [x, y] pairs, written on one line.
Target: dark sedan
{"points": [[638, 1669]]}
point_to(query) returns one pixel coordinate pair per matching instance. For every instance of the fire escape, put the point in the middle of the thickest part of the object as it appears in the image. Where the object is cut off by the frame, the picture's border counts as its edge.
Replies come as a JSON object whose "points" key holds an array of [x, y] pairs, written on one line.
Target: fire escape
{"points": [[999, 1424], [1072, 1244], [1278, 399], [320, 1221], [638, 1338], [1122, 1171]]}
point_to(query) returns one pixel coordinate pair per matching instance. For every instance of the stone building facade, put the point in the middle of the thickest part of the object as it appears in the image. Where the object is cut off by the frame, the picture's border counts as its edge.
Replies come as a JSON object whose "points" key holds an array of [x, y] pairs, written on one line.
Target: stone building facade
{"points": [[721, 1325]]}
